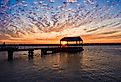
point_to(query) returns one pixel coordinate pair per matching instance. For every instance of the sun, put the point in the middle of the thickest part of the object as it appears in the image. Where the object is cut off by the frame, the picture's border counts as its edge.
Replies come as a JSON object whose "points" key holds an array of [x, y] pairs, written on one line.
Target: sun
{"points": [[64, 43]]}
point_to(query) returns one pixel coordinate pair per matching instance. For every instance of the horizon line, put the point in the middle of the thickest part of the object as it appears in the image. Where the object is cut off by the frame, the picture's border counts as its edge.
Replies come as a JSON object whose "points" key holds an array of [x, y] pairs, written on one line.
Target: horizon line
{"points": [[58, 43]]}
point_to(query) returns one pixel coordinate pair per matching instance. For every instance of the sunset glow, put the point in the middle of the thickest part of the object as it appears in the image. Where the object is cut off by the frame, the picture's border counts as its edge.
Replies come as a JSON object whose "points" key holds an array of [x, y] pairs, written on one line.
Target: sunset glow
{"points": [[47, 21], [64, 43]]}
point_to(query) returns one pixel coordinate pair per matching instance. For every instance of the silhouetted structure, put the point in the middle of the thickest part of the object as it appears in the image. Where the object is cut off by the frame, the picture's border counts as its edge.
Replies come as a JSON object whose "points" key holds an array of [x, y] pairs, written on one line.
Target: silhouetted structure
{"points": [[71, 44], [77, 39], [76, 45]]}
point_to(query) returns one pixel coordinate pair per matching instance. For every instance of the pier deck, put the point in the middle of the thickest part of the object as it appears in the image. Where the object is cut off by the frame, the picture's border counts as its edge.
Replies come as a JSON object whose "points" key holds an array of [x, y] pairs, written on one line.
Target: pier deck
{"points": [[45, 48]]}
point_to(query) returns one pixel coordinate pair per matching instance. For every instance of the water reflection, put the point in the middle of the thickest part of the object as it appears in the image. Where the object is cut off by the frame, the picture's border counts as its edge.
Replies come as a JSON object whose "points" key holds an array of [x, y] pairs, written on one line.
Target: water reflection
{"points": [[61, 64], [94, 64], [64, 59]]}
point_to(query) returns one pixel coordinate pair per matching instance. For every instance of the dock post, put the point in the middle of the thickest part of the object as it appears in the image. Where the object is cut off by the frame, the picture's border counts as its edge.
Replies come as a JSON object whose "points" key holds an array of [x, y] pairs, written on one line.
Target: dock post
{"points": [[30, 53], [43, 52], [10, 55]]}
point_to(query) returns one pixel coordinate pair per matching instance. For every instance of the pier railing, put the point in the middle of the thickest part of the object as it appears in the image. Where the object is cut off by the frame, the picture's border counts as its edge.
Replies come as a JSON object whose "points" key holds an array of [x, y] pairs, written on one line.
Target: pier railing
{"points": [[27, 46], [45, 48]]}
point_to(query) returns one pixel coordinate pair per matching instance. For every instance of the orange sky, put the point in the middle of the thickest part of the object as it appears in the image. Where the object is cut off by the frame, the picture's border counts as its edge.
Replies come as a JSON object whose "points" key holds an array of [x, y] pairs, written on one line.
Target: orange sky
{"points": [[86, 39], [26, 21]]}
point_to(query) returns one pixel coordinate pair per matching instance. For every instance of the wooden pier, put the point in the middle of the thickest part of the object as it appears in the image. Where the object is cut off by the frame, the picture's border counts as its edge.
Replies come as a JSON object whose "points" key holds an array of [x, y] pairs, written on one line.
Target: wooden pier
{"points": [[45, 48]]}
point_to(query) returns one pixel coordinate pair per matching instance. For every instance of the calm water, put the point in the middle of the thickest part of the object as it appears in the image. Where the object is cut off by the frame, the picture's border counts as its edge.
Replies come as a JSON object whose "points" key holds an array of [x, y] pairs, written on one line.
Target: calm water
{"points": [[94, 64]]}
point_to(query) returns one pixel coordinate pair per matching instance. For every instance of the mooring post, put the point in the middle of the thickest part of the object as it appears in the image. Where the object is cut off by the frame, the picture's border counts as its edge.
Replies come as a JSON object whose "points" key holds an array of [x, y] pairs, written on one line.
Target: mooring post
{"points": [[30, 53], [43, 51], [10, 54]]}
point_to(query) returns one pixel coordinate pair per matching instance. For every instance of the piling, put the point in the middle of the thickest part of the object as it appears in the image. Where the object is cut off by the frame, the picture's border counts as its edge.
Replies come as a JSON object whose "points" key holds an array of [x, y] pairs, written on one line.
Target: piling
{"points": [[10, 54], [30, 53]]}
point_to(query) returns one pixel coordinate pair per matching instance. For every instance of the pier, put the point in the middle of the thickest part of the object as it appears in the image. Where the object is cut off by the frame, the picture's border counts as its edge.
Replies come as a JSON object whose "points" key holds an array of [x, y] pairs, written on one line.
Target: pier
{"points": [[67, 44]]}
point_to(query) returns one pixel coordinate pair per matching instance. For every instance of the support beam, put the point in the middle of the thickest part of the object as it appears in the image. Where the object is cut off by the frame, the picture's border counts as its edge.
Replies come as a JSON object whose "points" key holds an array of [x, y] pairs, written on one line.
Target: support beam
{"points": [[43, 52], [10, 55], [76, 42], [60, 44], [30, 53]]}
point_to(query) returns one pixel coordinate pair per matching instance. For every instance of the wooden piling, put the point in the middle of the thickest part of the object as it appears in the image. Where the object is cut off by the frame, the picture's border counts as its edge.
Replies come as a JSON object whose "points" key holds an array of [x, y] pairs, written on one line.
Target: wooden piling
{"points": [[10, 54], [30, 53], [43, 51]]}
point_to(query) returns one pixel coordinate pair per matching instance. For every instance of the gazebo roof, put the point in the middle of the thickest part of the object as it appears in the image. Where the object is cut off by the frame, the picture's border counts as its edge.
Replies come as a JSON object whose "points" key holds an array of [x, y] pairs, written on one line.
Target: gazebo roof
{"points": [[78, 38]]}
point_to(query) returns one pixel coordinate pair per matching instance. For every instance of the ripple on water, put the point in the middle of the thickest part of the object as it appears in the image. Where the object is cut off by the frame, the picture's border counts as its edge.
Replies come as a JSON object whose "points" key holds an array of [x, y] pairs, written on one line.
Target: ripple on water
{"points": [[94, 64]]}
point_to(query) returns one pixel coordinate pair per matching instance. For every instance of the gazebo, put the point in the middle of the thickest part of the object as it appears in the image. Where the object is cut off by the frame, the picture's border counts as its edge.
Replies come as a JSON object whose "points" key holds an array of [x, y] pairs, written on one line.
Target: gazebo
{"points": [[72, 43], [77, 40]]}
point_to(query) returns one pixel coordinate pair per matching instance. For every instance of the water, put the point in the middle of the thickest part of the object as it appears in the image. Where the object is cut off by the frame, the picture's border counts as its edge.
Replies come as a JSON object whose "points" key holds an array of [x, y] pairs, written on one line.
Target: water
{"points": [[94, 64]]}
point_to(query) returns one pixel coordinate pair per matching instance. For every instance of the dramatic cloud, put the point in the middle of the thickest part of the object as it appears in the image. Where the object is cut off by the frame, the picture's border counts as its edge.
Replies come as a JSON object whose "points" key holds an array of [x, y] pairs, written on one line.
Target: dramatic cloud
{"points": [[71, 0], [94, 20]]}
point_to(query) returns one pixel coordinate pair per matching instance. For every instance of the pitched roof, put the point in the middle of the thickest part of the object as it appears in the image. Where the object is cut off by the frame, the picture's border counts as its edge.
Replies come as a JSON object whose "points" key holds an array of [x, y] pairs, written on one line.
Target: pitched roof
{"points": [[78, 38]]}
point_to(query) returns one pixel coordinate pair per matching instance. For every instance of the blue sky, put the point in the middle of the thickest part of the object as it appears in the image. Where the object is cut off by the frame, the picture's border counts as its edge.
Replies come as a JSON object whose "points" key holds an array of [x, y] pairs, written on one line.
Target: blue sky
{"points": [[23, 20]]}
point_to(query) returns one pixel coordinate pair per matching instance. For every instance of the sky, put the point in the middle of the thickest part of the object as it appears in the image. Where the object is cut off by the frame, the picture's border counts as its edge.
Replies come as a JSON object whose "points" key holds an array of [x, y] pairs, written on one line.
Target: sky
{"points": [[47, 21]]}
